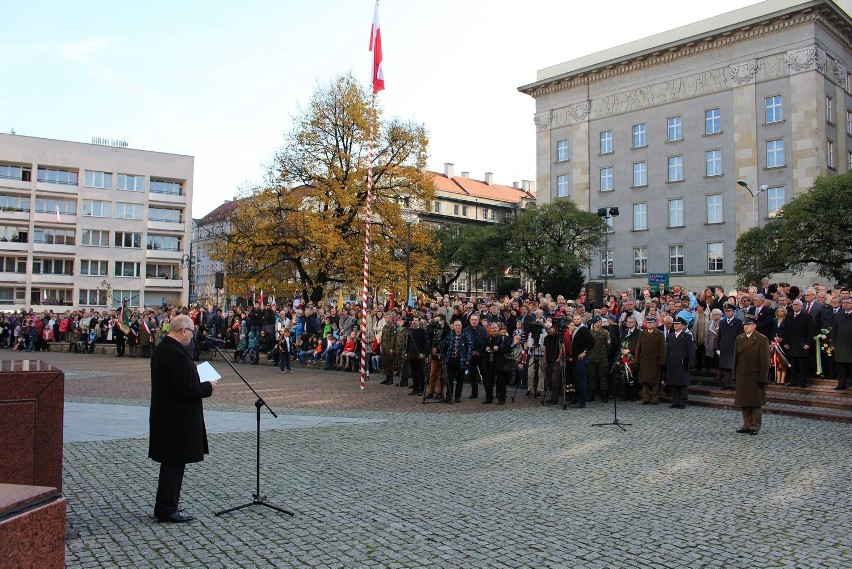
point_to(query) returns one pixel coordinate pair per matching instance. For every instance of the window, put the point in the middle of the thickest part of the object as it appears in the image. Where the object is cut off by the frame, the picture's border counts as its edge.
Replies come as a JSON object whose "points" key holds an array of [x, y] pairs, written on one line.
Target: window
{"points": [[774, 200], [675, 169], [51, 296], [9, 295], [639, 135], [609, 222], [128, 210], [485, 213], [162, 271], [848, 123], [561, 150], [57, 176], [714, 208], [94, 268], [456, 209], [12, 172], [640, 216], [773, 109], [829, 154], [14, 234], [89, 297], [94, 237], [562, 186], [165, 187], [132, 297], [675, 258], [51, 236], [94, 179], [13, 264], [715, 257], [14, 203], [126, 269], [606, 142], [606, 179], [674, 129], [464, 211], [53, 266], [95, 208], [606, 263], [164, 214], [640, 260], [163, 243], [128, 240], [493, 215], [829, 110], [713, 121], [713, 163], [775, 153], [130, 183], [676, 213], [488, 285], [849, 161], [436, 206], [50, 205], [640, 174]]}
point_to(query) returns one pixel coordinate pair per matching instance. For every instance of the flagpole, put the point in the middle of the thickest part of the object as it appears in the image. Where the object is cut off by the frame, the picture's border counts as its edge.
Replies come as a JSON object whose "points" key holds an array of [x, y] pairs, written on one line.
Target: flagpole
{"points": [[364, 370]]}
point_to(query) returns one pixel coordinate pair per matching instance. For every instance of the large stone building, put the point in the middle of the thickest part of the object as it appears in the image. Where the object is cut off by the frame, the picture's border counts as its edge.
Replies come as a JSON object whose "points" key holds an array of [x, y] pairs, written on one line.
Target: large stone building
{"points": [[664, 128], [87, 225]]}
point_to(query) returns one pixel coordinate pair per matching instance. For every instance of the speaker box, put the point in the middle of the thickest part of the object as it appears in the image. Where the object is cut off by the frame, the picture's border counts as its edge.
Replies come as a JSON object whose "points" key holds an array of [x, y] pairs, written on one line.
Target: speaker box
{"points": [[220, 280], [594, 295]]}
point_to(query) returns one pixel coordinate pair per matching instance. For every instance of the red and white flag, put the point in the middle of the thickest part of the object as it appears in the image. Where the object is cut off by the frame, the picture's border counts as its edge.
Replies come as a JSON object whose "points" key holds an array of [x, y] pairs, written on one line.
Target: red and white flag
{"points": [[376, 48], [58, 218], [261, 298]]}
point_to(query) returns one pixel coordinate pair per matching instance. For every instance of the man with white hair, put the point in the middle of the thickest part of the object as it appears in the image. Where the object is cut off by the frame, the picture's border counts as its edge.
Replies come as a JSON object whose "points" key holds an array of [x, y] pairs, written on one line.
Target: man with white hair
{"points": [[798, 339]]}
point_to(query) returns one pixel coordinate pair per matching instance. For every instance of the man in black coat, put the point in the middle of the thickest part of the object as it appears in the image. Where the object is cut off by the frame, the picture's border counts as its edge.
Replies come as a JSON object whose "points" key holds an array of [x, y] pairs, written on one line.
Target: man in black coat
{"points": [[841, 339], [729, 328], [798, 343], [178, 435], [582, 343], [418, 348], [680, 358]]}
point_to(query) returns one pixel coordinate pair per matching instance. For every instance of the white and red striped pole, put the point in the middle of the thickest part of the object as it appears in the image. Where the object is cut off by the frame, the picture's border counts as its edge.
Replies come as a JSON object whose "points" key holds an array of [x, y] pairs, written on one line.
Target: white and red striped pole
{"points": [[365, 373]]}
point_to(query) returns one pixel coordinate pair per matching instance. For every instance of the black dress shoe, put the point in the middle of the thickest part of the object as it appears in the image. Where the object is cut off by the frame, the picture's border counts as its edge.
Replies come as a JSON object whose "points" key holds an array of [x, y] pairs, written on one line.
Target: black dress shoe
{"points": [[176, 518], [457, 400], [474, 396], [752, 432], [646, 403], [578, 406], [840, 388], [743, 431], [501, 402], [487, 402]]}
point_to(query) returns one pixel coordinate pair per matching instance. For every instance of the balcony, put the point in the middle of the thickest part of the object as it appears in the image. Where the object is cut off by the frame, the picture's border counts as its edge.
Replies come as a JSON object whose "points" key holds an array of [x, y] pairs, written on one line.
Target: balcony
{"points": [[45, 279], [65, 189], [163, 254], [14, 214], [51, 248], [14, 246], [13, 277], [69, 219], [166, 226], [155, 197], [160, 284], [16, 184]]}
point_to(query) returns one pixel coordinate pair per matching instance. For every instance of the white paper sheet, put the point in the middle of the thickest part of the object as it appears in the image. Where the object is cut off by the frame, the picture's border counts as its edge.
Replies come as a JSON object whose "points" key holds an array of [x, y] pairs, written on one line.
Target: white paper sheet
{"points": [[207, 372]]}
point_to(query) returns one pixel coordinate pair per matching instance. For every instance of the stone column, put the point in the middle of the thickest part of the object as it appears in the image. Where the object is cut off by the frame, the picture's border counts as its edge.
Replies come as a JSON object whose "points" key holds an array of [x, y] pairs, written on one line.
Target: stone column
{"points": [[745, 154], [543, 158]]}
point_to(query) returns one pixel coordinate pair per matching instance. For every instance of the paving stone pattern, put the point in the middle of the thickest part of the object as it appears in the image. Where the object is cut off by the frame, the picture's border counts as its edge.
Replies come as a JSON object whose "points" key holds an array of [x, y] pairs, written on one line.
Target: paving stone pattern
{"points": [[473, 486]]}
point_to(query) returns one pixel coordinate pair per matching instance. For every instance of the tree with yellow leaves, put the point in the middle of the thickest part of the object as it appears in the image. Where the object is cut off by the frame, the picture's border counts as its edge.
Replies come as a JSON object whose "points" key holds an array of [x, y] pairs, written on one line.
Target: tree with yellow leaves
{"points": [[304, 228]]}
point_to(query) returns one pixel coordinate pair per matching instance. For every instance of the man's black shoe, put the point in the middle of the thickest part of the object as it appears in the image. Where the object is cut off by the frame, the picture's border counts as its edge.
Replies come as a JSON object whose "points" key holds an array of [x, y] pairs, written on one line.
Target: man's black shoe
{"points": [[457, 400], [487, 402], [578, 406], [752, 432], [646, 403], [743, 431], [387, 382], [840, 388], [474, 396], [176, 518], [501, 402]]}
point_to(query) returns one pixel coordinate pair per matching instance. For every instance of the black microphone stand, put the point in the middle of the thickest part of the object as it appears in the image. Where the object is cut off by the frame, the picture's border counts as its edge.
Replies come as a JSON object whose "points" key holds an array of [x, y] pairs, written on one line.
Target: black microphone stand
{"points": [[258, 499], [615, 420]]}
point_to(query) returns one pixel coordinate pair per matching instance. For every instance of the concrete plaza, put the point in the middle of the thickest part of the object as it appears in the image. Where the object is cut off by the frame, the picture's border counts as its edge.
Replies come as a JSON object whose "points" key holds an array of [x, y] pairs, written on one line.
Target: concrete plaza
{"points": [[377, 479]]}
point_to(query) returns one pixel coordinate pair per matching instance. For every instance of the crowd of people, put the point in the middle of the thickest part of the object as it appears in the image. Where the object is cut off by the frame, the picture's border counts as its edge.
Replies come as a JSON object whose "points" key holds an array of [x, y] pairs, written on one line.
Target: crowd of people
{"points": [[561, 350]]}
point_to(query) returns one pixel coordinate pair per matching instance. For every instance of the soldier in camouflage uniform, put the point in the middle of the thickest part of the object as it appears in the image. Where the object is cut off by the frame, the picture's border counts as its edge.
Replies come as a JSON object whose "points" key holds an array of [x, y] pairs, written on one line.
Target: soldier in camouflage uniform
{"points": [[400, 343], [599, 361], [387, 347]]}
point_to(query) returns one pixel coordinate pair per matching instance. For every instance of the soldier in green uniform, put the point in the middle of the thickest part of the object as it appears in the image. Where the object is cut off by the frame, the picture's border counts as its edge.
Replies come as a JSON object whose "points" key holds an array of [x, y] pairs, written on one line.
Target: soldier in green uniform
{"points": [[387, 346], [599, 361], [400, 342]]}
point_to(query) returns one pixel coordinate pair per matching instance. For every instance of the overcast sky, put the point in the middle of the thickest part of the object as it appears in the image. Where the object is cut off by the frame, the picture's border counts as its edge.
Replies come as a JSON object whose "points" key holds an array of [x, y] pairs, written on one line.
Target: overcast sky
{"points": [[221, 80]]}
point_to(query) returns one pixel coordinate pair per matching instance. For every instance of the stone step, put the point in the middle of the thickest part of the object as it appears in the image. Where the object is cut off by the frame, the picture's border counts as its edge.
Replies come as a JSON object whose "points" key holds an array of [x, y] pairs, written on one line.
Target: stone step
{"points": [[809, 397], [797, 410]]}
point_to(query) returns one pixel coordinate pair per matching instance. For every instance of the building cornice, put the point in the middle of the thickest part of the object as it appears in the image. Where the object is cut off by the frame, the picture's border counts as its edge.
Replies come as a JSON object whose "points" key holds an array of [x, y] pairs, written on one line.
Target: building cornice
{"points": [[826, 17]]}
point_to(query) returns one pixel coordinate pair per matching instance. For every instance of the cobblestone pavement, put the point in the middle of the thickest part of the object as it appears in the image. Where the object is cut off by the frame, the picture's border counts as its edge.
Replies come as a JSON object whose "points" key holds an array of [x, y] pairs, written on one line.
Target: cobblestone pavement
{"points": [[463, 486]]}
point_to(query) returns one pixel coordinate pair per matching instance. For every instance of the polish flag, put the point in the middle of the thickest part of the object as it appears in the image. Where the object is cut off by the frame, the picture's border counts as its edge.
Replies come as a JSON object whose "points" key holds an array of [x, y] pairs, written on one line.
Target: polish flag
{"points": [[376, 48], [261, 298]]}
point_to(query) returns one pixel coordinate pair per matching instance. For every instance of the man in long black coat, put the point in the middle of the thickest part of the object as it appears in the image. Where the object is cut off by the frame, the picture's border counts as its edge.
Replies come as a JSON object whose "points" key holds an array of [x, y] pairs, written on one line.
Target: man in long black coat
{"points": [[729, 328], [841, 339], [178, 435], [582, 343], [798, 343], [680, 357]]}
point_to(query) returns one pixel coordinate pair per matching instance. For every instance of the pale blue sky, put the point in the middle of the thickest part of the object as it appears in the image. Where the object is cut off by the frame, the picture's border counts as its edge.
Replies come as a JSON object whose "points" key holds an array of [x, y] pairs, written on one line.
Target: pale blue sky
{"points": [[221, 80]]}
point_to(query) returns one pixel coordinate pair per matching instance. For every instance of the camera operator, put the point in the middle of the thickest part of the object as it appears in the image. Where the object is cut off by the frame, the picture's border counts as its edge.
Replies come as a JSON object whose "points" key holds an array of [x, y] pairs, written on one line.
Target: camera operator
{"points": [[477, 337], [436, 333], [535, 357]]}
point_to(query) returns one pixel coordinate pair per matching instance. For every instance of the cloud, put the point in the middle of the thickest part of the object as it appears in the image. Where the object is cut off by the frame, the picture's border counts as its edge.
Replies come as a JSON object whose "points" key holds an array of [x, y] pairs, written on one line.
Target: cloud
{"points": [[82, 51]]}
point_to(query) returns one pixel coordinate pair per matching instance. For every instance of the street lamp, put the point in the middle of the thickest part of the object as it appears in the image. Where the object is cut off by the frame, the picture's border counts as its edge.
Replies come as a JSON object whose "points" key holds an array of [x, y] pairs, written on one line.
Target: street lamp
{"points": [[607, 213], [754, 195], [410, 218]]}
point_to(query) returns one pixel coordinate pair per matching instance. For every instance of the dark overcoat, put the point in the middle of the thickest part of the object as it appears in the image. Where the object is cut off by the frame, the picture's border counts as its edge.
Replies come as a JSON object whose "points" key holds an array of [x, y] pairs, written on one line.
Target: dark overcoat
{"points": [[727, 340], [841, 337], [178, 435], [680, 357], [650, 356], [751, 368], [798, 331]]}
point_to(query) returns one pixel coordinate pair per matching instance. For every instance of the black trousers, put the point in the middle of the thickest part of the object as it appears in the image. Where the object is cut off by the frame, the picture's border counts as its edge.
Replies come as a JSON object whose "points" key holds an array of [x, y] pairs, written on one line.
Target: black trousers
{"points": [[168, 489], [843, 372], [455, 377], [494, 376], [418, 377], [798, 371]]}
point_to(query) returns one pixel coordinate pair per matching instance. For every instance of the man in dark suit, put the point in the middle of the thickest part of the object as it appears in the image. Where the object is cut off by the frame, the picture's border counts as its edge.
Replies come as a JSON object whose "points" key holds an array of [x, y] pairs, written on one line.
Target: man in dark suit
{"points": [[680, 357], [751, 368], [729, 328], [176, 420], [841, 339], [829, 314], [798, 340], [763, 315], [582, 343]]}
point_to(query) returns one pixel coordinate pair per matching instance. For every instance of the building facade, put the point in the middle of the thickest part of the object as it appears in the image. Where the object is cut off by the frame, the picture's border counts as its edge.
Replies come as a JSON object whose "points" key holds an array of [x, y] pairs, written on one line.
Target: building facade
{"points": [[87, 225], [680, 130]]}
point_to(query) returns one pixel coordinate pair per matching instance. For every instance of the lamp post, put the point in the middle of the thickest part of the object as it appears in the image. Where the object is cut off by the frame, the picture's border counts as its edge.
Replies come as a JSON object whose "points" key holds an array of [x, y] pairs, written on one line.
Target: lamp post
{"points": [[607, 213], [186, 262], [754, 195]]}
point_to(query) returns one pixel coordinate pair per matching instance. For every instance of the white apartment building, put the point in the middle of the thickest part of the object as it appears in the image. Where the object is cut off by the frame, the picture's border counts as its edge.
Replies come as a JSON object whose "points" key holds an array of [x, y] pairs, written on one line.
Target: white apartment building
{"points": [[87, 225]]}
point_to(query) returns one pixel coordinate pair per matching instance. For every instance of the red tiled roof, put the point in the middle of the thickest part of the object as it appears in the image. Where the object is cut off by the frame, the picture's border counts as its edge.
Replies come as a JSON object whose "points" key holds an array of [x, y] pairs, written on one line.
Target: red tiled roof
{"points": [[220, 213], [479, 189]]}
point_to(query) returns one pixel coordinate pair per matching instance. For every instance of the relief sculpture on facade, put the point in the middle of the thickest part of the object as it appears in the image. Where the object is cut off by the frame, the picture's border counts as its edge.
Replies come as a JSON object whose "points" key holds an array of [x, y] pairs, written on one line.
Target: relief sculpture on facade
{"points": [[542, 121], [802, 59], [771, 66], [743, 73]]}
